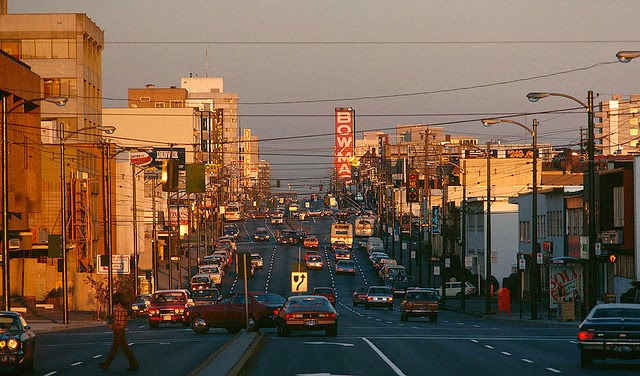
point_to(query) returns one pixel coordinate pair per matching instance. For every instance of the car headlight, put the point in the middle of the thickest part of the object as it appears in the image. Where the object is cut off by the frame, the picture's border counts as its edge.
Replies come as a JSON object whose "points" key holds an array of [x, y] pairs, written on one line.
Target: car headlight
{"points": [[152, 311], [3, 344], [179, 310], [135, 308], [13, 344]]}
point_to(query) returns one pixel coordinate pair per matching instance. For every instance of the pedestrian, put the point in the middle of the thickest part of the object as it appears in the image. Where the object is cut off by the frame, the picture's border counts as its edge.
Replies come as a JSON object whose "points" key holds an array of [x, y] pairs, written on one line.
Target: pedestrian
{"points": [[118, 325]]}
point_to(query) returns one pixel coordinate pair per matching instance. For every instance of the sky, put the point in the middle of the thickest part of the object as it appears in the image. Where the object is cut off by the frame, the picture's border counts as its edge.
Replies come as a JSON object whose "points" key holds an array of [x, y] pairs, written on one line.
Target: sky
{"points": [[443, 63]]}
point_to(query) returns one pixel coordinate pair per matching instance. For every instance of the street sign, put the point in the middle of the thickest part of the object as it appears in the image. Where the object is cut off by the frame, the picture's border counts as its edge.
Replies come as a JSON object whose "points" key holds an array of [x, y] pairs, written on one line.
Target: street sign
{"points": [[447, 262], [522, 263], [299, 282], [598, 249], [436, 270], [539, 258], [120, 264]]}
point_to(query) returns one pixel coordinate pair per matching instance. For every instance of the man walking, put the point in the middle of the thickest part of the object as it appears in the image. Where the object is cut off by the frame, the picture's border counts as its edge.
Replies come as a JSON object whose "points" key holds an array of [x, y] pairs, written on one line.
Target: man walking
{"points": [[120, 318]]}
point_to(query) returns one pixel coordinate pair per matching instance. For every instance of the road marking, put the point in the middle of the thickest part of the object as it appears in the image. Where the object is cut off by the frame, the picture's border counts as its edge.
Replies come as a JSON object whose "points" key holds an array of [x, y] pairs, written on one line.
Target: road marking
{"points": [[97, 356], [75, 364], [51, 373], [474, 341], [527, 361], [460, 323], [554, 370], [505, 353], [488, 346], [389, 322], [395, 368], [330, 343], [476, 326]]}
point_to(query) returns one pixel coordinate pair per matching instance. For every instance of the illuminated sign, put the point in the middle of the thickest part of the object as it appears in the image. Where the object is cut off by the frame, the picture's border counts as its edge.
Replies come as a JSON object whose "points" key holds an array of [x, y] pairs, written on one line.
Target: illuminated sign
{"points": [[345, 124]]}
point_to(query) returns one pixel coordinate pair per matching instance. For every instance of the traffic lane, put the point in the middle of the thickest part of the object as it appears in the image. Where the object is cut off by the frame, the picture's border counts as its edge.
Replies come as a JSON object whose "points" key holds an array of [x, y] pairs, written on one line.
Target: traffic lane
{"points": [[317, 354], [167, 351]]}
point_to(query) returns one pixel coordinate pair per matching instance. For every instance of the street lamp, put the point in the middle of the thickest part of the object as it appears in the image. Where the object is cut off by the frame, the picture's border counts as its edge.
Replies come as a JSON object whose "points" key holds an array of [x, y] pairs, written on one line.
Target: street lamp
{"points": [[590, 183], [59, 101], [627, 56], [63, 199], [533, 131]]}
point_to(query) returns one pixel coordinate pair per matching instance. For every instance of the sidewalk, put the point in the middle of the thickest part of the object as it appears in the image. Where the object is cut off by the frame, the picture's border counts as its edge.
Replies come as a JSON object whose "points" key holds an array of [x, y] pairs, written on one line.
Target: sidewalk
{"points": [[52, 321], [476, 306]]}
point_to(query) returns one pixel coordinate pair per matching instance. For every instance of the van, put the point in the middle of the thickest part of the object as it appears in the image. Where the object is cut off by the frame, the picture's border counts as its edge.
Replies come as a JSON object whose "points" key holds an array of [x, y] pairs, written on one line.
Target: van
{"points": [[391, 273], [374, 242], [454, 289]]}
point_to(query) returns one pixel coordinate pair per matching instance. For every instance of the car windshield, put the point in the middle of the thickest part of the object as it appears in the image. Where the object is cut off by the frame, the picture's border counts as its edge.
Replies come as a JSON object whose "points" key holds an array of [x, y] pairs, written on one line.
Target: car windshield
{"points": [[269, 298], [168, 298], [308, 302], [421, 295], [323, 291], [314, 258], [345, 263], [379, 290], [8, 323], [200, 280], [616, 312], [205, 294]]}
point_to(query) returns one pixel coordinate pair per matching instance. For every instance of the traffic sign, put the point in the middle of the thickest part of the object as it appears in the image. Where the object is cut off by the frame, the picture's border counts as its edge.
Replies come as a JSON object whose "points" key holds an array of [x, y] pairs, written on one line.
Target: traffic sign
{"points": [[598, 249], [539, 258], [299, 282], [522, 263]]}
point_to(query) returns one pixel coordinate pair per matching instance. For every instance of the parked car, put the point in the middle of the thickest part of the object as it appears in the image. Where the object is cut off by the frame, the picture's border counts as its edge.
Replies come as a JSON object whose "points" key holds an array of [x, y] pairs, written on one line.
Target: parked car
{"points": [[454, 289], [314, 262], [205, 296], [327, 292], [257, 261], [232, 230], [610, 331], [168, 307], [420, 303], [261, 234], [17, 342], [346, 266], [307, 313], [205, 280], [140, 305], [229, 314], [359, 295], [379, 296]]}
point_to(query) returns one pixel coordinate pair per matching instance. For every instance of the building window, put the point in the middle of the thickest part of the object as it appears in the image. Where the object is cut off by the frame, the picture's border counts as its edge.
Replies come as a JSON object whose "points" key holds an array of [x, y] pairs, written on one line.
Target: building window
{"points": [[28, 48], [55, 87], [175, 104], [618, 206], [145, 99], [159, 104]]}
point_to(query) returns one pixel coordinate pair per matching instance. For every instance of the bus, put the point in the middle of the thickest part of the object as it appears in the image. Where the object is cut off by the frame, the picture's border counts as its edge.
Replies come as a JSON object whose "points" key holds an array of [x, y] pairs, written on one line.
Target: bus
{"points": [[364, 227], [233, 212], [342, 231]]}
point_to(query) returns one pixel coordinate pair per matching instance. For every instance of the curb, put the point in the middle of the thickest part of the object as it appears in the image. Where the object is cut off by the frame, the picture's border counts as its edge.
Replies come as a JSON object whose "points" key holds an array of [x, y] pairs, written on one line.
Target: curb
{"points": [[241, 366], [239, 361], [211, 357], [523, 321]]}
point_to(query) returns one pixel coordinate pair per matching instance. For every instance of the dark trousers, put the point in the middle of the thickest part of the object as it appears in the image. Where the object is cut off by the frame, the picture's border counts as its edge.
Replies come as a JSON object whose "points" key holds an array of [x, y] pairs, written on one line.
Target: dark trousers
{"points": [[120, 342]]}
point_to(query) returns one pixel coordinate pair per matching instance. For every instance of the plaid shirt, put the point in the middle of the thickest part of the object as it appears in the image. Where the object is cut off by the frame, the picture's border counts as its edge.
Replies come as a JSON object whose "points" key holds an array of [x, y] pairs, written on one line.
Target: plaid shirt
{"points": [[120, 317]]}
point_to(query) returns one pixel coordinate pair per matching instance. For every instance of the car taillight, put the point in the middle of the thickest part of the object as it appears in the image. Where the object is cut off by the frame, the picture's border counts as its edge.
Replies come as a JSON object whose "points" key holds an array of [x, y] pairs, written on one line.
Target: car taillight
{"points": [[288, 316], [276, 311], [585, 335], [369, 298], [409, 305]]}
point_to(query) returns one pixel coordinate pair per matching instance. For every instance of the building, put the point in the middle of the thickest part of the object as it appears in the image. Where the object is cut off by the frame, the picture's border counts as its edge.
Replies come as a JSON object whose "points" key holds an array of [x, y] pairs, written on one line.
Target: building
{"points": [[617, 133]]}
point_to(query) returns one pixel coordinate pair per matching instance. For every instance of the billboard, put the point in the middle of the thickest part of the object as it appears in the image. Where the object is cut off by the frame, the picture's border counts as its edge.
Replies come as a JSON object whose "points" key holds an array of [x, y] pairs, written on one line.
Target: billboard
{"points": [[345, 131]]}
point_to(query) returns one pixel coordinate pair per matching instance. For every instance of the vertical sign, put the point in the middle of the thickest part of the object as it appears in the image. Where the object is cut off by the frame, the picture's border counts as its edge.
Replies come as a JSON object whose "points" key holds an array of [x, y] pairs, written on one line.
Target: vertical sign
{"points": [[345, 124]]}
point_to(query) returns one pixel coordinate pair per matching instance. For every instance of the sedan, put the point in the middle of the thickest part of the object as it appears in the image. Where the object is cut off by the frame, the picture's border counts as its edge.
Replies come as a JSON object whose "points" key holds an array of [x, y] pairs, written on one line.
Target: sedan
{"points": [[229, 314], [359, 296], [310, 241], [205, 296], [327, 292], [610, 331], [379, 296], [17, 342], [308, 254], [346, 266], [168, 307], [419, 303], [257, 261], [314, 262], [140, 305], [261, 234], [342, 254], [307, 313]]}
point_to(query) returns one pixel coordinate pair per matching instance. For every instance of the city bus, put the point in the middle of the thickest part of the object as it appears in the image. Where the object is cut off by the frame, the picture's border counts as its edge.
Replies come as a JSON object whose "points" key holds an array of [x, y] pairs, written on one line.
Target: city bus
{"points": [[233, 211], [341, 231]]}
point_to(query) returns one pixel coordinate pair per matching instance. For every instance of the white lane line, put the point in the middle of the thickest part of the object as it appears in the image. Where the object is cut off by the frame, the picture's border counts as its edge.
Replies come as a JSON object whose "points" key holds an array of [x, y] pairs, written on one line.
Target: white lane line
{"points": [[527, 361], [488, 346], [554, 370], [474, 340], [97, 356], [133, 343], [75, 364], [476, 326], [505, 353], [51, 373], [395, 368], [460, 323]]}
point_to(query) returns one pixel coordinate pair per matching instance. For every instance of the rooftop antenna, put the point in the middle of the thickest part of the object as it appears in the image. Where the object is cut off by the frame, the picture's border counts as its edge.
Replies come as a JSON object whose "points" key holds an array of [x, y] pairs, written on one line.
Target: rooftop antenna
{"points": [[206, 67]]}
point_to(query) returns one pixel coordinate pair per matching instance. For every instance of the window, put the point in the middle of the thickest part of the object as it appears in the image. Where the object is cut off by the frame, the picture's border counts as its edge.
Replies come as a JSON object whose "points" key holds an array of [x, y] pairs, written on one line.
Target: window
{"points": [[145, 99], [43, 48], [618, 206], [159, 104], [175, 104], [28, 48], [12, 47], [53, 87]]}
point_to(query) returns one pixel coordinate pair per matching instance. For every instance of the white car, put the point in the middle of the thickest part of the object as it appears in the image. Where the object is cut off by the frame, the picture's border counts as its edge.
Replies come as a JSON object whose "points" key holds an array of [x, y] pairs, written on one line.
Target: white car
{"points": [[454, 289]]}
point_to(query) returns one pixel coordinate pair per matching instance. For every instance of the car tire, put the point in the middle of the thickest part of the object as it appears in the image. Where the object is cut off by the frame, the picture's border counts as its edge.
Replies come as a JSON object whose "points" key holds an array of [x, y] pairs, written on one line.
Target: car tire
{"points": [[458, 295], [332, 331], [27, 366], [199, 325], [355, 304], [586, 361], [153, 325], [252, 324], [282, 330]]}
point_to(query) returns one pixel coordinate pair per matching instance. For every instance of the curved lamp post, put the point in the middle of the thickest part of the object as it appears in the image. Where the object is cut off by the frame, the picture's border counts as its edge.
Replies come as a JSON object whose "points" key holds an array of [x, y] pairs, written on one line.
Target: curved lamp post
{"points": [[63, 199], [533, 131], [59, 101], [590, 182], [627, 56]]}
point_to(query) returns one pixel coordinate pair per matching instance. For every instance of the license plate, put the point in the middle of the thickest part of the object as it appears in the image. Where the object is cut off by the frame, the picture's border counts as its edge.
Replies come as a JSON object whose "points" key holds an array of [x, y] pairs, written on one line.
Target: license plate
{"points": [[8, 358], [622, 348], [310, 322], [166, 317]]}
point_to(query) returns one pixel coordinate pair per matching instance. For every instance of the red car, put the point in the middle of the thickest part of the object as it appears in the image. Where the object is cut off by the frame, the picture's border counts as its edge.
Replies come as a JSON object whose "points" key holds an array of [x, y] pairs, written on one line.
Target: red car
{"points": [[327, 292], [308, 254], [168, 306], [307, 313], [229, 314], [359, 296]]}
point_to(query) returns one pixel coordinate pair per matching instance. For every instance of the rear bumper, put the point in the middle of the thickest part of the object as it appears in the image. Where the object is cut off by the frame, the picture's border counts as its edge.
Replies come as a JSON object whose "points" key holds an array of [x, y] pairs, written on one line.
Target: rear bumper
{"points": [[612, 350]]}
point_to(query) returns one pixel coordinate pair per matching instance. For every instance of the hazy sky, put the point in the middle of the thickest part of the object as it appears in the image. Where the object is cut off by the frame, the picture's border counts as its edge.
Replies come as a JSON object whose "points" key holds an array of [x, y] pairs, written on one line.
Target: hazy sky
{"points": [[444, 63]]}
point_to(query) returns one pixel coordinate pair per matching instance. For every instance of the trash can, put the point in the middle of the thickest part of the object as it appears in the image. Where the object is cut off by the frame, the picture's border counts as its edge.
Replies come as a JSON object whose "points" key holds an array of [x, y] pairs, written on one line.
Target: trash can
{"points": [[568, 310]]}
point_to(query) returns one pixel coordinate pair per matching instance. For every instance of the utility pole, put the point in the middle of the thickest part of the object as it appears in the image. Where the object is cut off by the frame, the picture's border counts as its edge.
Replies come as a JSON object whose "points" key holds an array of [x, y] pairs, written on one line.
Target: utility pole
{"points": [[488, 234]]}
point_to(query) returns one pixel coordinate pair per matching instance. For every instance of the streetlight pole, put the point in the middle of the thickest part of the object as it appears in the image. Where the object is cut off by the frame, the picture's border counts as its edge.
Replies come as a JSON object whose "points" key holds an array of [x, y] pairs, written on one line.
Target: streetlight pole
{"points": [[63, 206], [533, 131], [487, 307], [59, 101]]}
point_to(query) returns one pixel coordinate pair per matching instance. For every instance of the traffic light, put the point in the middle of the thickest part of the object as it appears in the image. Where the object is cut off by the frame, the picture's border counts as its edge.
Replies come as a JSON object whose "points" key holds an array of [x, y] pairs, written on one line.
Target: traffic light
{"points": [[320, 187], [412, 186], [169, 175]]}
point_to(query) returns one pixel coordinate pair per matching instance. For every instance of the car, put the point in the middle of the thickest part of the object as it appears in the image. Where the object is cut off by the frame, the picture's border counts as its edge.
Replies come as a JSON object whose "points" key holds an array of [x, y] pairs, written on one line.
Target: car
{"points": [[314, 213], [225, 242], [362, 243], [307, 313], [261, 234], [314, 262], [17, 342], [140, 305], [311, 241], [359, 295], [346, 266], [400, 287], [379, 296], [232, 230], [205, 296], [454, 289], [206, 280], [342, 254], [327, 292], [308, 254], [168, 307], [288, 237], [327, 212], [273, 301], [228, 313], [420, 303], [256, 260], [610, 331], [277, 217], [339, 244]]}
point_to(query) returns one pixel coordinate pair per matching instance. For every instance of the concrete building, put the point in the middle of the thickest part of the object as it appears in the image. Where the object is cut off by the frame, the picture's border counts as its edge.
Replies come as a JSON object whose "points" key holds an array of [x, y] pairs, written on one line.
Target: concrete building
{"points": [[618, 132]]}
